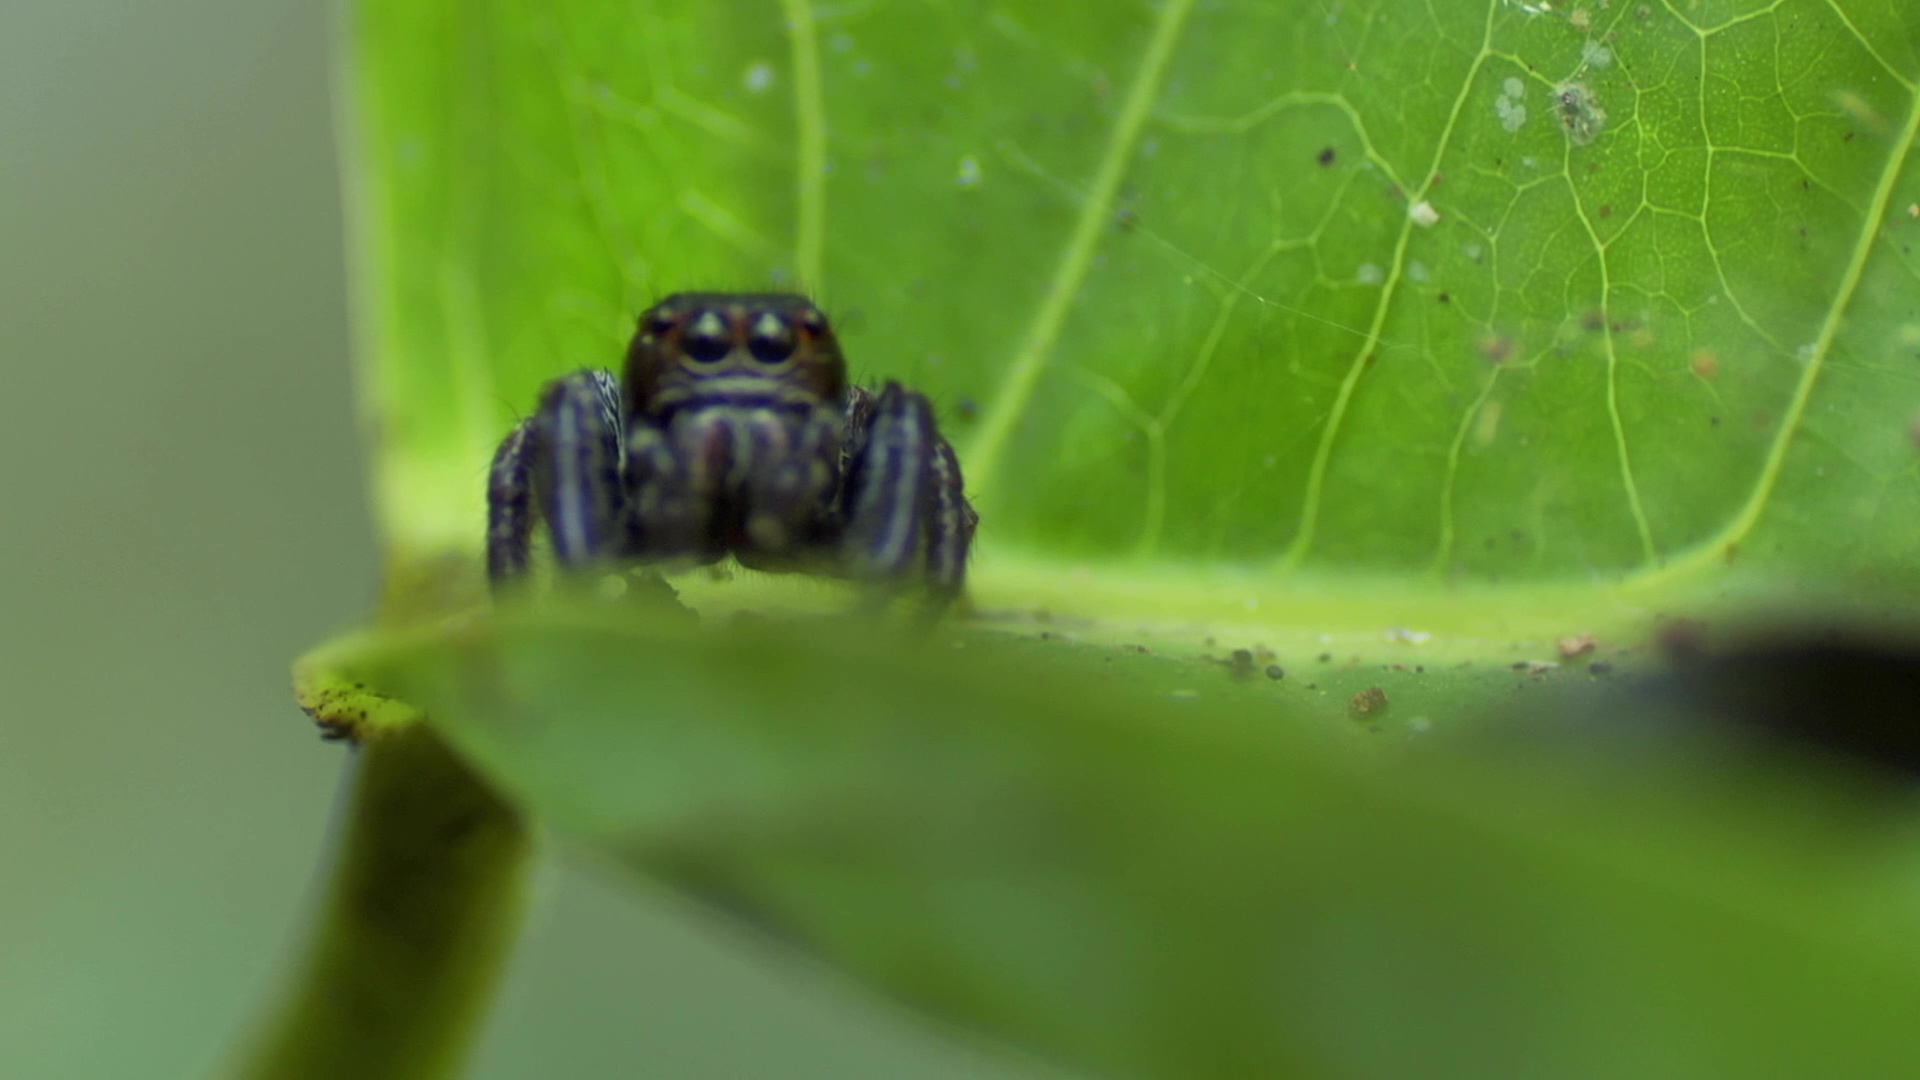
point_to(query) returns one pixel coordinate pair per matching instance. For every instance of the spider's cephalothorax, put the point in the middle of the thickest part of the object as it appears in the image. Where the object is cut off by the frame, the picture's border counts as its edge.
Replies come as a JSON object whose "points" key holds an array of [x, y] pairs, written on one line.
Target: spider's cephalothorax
{"points": [[733, 431]]}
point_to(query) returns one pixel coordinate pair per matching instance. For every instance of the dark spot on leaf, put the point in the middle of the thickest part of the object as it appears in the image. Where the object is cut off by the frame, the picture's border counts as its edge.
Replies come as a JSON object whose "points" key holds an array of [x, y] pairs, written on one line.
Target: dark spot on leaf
{"points": [[1600, 667], [1325, 157], [1240, 664], [1445, 299], [1274, 672]]}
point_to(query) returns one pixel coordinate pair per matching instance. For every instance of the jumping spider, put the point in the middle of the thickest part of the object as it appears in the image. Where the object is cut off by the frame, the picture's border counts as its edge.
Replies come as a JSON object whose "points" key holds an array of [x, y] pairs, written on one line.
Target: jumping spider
{"points": [[734, 431]]}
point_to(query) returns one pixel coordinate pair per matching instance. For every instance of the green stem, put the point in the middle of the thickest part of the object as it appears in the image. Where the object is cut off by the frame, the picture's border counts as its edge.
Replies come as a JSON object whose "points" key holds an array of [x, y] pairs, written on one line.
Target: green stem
{"points": [[422, 912]]}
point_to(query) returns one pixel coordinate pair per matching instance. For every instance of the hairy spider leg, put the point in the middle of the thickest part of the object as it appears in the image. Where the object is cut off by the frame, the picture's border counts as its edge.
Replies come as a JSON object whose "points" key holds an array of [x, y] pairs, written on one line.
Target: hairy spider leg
{"points": [[887, 487], [566, 459], [950, 528], [509, 506]]}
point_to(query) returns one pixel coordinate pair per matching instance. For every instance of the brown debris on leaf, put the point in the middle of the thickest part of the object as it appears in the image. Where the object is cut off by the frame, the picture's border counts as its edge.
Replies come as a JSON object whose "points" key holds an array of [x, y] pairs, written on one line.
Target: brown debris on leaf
{"points": [[1367, 703], [1575, 646]]}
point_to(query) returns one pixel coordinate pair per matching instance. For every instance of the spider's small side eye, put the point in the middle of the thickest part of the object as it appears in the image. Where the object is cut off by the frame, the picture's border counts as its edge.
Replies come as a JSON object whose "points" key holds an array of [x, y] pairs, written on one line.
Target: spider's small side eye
{"points": [[772, 339], [660, 321], [705, 339]]}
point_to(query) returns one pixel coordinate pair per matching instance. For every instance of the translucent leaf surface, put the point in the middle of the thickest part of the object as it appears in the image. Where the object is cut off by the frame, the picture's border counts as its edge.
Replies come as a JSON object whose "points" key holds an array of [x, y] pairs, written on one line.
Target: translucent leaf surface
{"points": [[1484, 291], [1154, 889]]}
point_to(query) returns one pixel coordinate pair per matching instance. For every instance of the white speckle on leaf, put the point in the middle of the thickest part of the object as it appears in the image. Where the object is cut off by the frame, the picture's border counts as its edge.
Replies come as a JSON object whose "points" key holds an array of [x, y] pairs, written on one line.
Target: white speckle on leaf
{"points": [[1369, 274], [969, 175], [759, 77], [1185, 695], [1472, 252], [1513, 116], [1409, 637], [1507, 106], [1419, 725], [1417, 271], [1149, 146], [1595, 54], [1423, 214], [840, 42]]}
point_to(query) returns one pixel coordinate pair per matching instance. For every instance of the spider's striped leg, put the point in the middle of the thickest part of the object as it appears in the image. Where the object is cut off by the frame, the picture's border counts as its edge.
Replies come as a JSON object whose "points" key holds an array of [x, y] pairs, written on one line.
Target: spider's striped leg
{"points": [[510, 506], [950, 528], [890, 479], [566, 460]]}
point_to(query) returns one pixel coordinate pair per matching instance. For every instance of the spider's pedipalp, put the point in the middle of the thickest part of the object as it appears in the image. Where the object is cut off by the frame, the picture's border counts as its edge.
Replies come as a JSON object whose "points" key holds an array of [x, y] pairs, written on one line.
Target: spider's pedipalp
{"points": [[787, 491]]}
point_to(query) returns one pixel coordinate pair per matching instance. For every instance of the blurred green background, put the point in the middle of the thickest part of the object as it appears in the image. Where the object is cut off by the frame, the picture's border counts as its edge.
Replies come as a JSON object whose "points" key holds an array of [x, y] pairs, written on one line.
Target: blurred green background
{"points": [[185, 513]]}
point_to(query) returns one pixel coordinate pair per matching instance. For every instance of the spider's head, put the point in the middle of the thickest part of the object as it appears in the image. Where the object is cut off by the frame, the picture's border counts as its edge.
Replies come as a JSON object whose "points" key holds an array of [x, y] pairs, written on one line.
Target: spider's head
{"points": [[696, 348]]}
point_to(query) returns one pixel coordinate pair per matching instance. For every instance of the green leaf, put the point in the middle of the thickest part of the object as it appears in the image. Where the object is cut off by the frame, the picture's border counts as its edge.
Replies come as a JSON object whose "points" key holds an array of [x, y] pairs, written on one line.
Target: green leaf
{"points": [[1384, 337], [1154, 888], [1459, 292]]}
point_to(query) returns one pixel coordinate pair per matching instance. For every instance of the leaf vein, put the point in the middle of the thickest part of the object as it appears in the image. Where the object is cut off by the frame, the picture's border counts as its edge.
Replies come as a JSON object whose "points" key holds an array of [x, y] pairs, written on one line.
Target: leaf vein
{"points": [[1023, 374]]}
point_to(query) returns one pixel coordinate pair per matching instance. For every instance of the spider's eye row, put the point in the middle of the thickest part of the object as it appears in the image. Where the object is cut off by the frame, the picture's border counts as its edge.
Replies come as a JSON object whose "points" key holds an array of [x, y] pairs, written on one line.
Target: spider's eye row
{"points": [[772, 339], [705, 339]]}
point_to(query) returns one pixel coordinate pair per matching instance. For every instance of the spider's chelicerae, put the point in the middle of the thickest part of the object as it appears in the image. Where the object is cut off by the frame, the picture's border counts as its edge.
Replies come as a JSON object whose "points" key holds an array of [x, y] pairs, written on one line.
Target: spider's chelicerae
{"points": [[734, 431]]}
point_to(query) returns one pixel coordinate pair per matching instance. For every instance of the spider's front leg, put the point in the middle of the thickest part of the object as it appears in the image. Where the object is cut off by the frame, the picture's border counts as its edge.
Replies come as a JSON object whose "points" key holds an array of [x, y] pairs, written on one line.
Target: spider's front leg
{"points": [[565, 461], [905, 505]]}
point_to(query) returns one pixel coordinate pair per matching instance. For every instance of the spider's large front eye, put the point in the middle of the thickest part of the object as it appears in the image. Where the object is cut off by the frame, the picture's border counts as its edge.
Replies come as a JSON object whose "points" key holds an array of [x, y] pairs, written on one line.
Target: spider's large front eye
{"points": [[772, 340], [706, 340]]}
